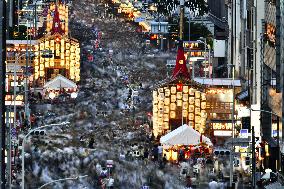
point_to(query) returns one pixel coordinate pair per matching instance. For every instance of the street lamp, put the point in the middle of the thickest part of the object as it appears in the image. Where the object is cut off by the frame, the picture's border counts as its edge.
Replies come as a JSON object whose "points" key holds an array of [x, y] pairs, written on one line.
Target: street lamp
{"points": [[23, 147], [64, 179], [204, 41]]}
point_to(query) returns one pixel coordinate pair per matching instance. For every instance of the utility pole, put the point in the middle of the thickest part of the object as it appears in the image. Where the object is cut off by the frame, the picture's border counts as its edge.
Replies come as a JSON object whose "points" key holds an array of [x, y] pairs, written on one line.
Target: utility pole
{"points": [[253, 157], [181, 20], [2, 90]]}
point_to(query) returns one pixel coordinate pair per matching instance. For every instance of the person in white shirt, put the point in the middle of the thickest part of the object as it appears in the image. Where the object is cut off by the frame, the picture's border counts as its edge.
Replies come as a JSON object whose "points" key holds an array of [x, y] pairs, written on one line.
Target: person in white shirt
{"points": [[213, 184]]}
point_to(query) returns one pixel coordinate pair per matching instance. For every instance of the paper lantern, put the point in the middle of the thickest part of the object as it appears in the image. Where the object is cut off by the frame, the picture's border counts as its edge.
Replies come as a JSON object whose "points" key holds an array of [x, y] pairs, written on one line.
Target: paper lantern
{"points": [[173, 98], [160, 90], [173, 106], [172, 114], [197, 102], [160, 121], [173, 90], [203, 114], [161, 104], [166, 109], [197, 110], [179, 86], [203, 96], [166, 125], [203, 105], [197, 94], [166, 117], [197, 119], [184, 113], [184, 105], [161, 96], [197, 127], [191, 108], [191, 100], [179, 95], [191, 116], [155, 93], [185, 97], [167, 92], [155, 108], [167, 101], [185, 89], [179, 102], [191, 91]]}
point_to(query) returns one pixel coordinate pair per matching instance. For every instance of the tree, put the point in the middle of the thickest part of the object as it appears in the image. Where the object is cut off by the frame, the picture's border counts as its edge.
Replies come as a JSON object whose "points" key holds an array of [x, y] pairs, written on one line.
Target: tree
{"points": [[166, 7]]}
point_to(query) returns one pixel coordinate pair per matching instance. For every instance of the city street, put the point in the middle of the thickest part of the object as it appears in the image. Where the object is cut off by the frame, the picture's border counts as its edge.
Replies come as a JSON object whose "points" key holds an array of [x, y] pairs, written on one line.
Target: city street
{"points": [[139, 94]]}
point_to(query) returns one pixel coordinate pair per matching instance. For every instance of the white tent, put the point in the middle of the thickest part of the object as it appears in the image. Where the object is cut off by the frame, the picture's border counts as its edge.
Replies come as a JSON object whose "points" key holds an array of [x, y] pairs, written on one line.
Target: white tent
{"points": [[184, 135], [60, 82]]}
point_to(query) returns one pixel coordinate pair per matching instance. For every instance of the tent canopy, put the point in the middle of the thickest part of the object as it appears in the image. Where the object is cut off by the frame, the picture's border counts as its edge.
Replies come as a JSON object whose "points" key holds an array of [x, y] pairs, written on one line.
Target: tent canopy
{"points": [[184, 135], [60, 82]]}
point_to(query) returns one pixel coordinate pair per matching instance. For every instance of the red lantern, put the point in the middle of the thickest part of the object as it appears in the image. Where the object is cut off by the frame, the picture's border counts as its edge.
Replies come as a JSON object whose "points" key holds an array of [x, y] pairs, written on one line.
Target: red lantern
{"points": [[179, 87]]}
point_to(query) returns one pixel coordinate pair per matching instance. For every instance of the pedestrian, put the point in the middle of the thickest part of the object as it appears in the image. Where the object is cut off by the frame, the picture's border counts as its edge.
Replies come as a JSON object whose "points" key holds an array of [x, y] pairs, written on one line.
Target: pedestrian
{"points": [[165, 159], [213, 184], [91, 143], [146, 156], [160, 151], [188, 182]]}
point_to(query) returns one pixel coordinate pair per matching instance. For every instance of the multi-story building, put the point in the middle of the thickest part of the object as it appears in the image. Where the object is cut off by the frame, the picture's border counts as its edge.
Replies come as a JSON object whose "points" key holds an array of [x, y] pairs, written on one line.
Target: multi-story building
{"points": [[252, 50]]}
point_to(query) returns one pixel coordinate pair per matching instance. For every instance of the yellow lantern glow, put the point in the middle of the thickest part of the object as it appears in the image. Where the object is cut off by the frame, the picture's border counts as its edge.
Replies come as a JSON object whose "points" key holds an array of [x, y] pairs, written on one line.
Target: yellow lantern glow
{"points": [[184, 113], [160, 90], [191, 100], [185, 89], [179, 95], [173, 98], [167, 92], [197, 94], [179, 102], [197, 111], [167, 101], [173, 106], [166, 125], [166, 117], [161, 96], [191, 108], [191, 116], [191, 91], [172, 114], [203, 105], [197, 102], [173, 90], [184, 105], [166, 109], [185, 97], [197, 119]]}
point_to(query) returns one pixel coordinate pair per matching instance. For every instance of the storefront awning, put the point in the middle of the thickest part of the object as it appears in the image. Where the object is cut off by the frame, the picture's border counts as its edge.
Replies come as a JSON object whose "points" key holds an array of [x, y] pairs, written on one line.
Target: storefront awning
{"points": [[60, 82]]}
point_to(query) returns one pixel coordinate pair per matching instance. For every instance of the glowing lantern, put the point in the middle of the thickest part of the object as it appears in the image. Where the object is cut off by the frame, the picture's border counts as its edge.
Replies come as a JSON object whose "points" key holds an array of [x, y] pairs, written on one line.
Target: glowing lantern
{"points": [[172, 114], [179, 87]]}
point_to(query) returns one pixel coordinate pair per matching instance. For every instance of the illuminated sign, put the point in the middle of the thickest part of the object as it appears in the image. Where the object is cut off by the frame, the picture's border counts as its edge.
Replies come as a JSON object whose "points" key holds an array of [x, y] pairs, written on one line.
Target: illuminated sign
{"points": [[222, 126], [222, 133], [191, 45], [9, 100]]}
